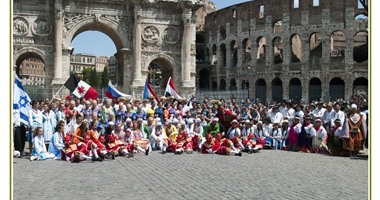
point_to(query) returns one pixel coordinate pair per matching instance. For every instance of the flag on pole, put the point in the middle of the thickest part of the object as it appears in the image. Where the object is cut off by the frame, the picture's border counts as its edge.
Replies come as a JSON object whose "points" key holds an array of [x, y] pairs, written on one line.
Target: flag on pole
{"points": [[112, 92], [148, 90], [171, 90], [80, 88], [21, 101]]}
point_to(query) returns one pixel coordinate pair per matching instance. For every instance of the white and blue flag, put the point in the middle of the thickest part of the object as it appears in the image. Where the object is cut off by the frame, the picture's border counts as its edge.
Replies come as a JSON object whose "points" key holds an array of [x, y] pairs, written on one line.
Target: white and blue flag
{"points": [[21, 101]]}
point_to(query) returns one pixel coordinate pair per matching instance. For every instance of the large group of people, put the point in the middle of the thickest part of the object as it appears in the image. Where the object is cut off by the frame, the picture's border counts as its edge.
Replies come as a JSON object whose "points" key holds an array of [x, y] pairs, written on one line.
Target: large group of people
{"points": [[96, 129]]}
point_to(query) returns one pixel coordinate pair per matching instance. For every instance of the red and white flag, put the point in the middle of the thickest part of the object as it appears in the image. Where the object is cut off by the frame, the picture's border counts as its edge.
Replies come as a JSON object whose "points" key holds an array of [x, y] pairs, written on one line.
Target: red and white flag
{"points": [[80, 88], [171, 90]]}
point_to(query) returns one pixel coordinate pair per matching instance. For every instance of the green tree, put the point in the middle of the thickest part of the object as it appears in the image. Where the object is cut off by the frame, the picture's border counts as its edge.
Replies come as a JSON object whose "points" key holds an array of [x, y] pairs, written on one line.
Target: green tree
{"points": [[104, 78], [94, 79], [86, 74]]}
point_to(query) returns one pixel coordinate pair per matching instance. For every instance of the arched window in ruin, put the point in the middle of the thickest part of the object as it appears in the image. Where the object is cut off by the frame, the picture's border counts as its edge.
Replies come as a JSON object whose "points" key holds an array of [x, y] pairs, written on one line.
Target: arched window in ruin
{"points": [[277, 26], [261, 53], [233, 84], [234, 53], [244, 85], [223, 54], [337, 44], [223, 85], [295, 89], [315, 44], [204, 79], [315, 89], [336, 89], [296, 50], [278, 50], [277, 90], [214, 86], [214, 59], [247, 50], [223, 33], [360, 51], [261, 90], [159, 71], [360, 87], [200, 55], [361, 22]]}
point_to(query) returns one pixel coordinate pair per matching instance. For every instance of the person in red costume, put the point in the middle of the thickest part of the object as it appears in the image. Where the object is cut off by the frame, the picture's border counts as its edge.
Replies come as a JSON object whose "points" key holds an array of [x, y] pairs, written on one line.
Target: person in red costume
{"points": [[91, 148], [115, 147], [207, 145], [73, 152], [101, 150], [225, 117], [224, 146], [249, 144]]}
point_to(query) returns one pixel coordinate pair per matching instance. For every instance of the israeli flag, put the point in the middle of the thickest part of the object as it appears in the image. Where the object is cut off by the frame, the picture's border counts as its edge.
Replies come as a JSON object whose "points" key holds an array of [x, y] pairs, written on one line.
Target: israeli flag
{"points": [[21, 101]]}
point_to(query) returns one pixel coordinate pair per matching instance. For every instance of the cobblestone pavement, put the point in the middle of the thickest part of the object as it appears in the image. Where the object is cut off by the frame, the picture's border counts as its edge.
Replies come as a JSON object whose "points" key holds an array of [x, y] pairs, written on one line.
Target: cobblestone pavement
{"points": [[271, 174]]}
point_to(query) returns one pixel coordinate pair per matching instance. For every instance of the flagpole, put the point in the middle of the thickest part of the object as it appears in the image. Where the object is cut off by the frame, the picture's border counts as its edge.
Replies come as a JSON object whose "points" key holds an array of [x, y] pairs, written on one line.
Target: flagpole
{"points": [[56, 93]]}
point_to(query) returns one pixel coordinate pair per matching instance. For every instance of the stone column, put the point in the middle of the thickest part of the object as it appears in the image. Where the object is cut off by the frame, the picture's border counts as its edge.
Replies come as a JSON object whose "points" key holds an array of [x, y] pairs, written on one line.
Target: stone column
{"points": [[269, 89], [137, 81], [188, 46], [58, 43], [285, 89]]}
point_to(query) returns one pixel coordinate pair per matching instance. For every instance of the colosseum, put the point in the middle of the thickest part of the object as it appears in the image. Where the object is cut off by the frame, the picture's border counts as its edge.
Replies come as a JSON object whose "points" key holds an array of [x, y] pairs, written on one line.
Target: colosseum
{"points": [[284, 49]]}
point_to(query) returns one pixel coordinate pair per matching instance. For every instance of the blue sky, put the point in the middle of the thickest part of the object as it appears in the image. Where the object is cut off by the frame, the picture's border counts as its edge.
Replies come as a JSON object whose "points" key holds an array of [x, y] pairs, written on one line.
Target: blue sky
{"points": [[99, 44]]}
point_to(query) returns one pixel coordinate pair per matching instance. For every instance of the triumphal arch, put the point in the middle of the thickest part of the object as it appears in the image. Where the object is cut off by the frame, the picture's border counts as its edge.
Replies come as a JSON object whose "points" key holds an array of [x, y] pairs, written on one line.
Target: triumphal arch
{"points": [[145, 32]]}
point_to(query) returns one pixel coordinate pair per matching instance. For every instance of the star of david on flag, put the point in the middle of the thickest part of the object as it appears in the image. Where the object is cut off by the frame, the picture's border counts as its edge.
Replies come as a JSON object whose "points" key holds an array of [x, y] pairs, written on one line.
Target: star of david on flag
{"points": [[21, 102]]}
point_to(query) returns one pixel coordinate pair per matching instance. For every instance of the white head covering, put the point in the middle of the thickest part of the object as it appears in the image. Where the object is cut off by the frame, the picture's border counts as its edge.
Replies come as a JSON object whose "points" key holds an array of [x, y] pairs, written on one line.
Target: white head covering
{"points": [[354, 106]]}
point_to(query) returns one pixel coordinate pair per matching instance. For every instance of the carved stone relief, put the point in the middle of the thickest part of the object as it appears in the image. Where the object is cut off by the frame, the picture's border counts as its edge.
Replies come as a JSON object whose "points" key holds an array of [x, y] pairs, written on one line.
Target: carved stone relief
{"points": [[170, 35], [23, 40], [151, 34], [42, 27], [20, 26]]}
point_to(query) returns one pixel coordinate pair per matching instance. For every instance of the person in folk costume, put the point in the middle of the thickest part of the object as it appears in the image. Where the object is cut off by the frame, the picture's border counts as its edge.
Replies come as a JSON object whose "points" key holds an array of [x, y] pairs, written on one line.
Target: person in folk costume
{"points": [[268, 126], [305, 137], [224, 146], [337, 114], [288, 112], [158, 139], [260, 134], [39, 149], [196, 131], [49, 121], [334, 142], [91, 149], [213, 128], [234, 130], [207, 145], [294, 132], [319, 111], [319, 142], [56, 142], [140, 140], [80, 132], [171, 130], [354, 132], [248, 136], [225, 118], [35, 120], [285, 134], [73, 152], [182, 128], [94, 131], [327, 116], [118, 132], [101, 147], [249, 144], [300, 113], [116, 147], [274, 139], [144, 128]]}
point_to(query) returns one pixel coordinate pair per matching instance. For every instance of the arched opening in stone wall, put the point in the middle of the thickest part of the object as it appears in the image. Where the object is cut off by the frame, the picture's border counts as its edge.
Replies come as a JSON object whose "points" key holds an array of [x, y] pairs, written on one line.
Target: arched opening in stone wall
{"points": [[261, 52], [360, 51], [244, 85], [223, 33], [247, 50], [361, 21], [234, 53], [261, 90], [30, 68], [214, 58], [277, 90], [204, 79], [214, 86], [233, 84], [277, 26], [222, 85], [200, 55], [223, 54], [315, 44], [278, 50], [360, 87], [337, 45], [296, 50], [93, 41], [337, 87], [159, 71], [315, 89], [295, 89]]}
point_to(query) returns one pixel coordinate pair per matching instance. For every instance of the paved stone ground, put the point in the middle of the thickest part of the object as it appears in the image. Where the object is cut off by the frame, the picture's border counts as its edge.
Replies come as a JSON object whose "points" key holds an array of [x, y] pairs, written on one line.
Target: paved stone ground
{"points": [[271, 174]]}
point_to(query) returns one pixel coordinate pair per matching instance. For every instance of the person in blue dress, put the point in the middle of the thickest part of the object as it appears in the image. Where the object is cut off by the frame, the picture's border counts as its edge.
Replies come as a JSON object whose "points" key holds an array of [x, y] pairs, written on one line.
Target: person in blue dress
{"points": [[56, 142], [39, 149]]}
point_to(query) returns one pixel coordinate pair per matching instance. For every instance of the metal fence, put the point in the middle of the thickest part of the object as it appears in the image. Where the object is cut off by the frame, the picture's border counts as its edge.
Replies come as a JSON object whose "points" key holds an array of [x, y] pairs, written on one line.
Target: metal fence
{"points": [[239, 95]]}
